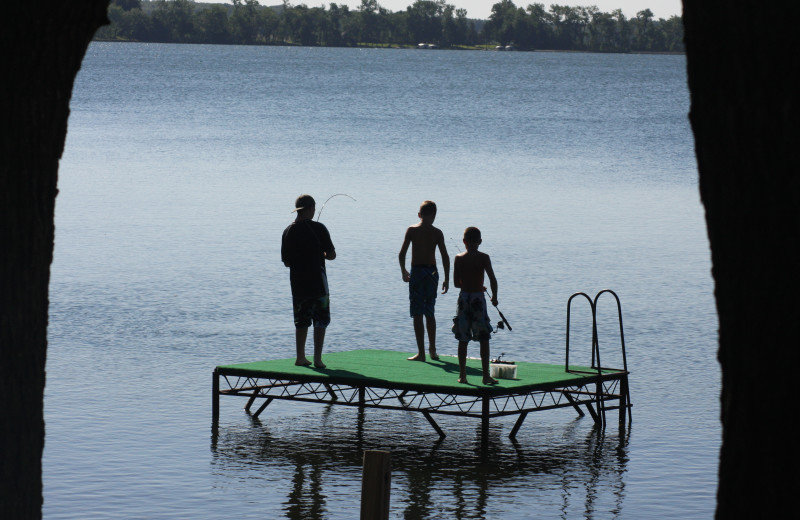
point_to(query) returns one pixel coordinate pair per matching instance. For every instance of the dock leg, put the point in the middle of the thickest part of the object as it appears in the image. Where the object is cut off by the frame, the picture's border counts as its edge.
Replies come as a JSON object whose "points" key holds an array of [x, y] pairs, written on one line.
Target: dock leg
{"points": [[601, 405], [400, 398], [623, 400], [593, 414], [331, 392], [485, 418], [517, 425], [574, 404], [362, 392], [215, 398], [250, 401], [433, 423], [266, 403], [360, 426], [626, 391]]}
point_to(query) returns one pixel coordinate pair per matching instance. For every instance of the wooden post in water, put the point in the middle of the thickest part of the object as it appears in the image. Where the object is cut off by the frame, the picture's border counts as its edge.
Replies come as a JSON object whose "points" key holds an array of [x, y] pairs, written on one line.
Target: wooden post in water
{"points": [[376, 485]]}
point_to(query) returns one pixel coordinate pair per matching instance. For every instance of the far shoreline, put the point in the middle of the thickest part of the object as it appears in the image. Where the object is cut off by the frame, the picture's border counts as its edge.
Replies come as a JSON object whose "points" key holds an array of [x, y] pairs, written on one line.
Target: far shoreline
{"points": [[481, 48]]}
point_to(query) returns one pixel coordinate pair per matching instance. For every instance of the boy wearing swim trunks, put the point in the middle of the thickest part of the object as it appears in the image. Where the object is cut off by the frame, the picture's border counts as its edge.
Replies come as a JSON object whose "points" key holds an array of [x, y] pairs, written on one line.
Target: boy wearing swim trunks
{"points": [[423, 281], [472, 321], [304, 248]]}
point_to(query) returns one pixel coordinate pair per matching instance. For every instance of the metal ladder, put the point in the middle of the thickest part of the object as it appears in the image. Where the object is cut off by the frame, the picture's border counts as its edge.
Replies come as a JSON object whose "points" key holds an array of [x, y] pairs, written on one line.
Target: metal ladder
{"points": [[624, 394]]}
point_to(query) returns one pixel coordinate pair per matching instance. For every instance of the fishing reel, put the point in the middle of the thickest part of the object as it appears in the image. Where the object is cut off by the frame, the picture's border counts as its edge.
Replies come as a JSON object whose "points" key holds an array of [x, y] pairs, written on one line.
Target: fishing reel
{"points": [[503, 323], [499, 360]]}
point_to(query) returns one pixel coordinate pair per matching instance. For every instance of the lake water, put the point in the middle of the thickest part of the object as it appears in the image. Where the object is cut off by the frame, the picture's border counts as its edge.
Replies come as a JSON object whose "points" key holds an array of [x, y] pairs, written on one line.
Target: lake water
{"points": [[179, 174]]}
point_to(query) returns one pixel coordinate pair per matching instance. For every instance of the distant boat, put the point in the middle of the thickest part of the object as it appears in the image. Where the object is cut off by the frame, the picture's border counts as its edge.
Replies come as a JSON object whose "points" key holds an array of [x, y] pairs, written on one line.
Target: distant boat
{"points": [[426, 46]]}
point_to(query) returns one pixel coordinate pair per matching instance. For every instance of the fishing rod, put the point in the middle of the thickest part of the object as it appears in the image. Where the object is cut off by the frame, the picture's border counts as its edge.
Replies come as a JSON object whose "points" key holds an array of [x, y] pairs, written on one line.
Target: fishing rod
{"points": [[499, 325], [329, 198], [504, 322]]}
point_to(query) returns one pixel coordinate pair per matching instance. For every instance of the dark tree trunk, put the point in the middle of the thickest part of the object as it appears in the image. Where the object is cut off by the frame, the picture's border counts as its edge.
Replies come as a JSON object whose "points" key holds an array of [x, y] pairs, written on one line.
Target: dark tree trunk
{"points": [[742, 57], [43, 44]]}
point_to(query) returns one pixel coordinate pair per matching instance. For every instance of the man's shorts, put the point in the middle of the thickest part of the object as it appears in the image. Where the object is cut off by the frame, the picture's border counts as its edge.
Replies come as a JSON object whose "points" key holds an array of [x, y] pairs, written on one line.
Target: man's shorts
{"points": [[423, 285], [471, 321], [312, 310]]}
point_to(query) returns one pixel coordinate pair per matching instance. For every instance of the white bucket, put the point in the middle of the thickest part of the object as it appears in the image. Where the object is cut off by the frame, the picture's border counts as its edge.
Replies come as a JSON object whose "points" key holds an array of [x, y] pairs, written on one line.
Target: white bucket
{"points": [[503, 371]]}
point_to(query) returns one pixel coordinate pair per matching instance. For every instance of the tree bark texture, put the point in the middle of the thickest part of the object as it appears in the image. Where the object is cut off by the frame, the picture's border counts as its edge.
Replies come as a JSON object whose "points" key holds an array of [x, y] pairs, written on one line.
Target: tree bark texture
{"points": [[742, 57], [43, 43]]}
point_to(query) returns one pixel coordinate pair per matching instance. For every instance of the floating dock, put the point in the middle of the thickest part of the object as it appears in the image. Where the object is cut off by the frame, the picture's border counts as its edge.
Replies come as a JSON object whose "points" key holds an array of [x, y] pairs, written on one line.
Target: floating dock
{"points": [[387, 380]]}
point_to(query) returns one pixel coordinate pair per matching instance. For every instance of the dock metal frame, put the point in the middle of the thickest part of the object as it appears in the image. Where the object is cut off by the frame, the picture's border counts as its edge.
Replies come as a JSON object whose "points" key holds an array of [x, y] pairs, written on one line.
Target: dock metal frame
{"points": [[601, 390], [595, 394]]}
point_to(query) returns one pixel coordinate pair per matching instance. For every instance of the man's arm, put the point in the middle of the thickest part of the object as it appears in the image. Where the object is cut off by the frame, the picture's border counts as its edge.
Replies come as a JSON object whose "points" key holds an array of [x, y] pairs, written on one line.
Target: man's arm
{"points": [[328, 251], [284, 251], [445, 262], [492, 279], [402, 255]]}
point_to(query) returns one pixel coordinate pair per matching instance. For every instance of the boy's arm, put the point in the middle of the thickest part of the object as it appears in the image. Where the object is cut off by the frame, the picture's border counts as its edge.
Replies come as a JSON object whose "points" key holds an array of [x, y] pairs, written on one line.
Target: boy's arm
{"points": [[457, 272], [402, 255], [492, 279], [445, 262]]}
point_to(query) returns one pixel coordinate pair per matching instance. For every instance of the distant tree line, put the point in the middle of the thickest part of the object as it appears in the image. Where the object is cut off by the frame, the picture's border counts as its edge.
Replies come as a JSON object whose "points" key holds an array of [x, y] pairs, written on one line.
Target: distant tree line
{"points": [[246, 22]]}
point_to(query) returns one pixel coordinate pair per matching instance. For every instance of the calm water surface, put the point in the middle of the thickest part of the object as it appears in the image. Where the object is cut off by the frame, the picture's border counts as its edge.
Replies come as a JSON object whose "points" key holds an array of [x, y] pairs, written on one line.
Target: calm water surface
{"points": [[180, 169]]}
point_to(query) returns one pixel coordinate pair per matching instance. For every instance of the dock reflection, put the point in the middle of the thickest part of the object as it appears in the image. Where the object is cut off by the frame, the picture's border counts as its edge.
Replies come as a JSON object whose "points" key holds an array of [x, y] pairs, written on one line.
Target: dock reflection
{"points": [[574, 467]]}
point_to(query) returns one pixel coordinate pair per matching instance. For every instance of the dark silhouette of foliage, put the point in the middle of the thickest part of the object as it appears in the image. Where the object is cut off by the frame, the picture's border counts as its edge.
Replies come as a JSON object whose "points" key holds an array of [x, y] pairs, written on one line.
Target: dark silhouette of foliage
{"points": [[433, 22]]}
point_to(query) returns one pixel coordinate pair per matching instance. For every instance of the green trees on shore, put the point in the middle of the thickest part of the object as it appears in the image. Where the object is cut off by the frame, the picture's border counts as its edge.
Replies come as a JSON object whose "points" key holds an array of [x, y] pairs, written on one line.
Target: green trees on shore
{"points": [[558, 27]]}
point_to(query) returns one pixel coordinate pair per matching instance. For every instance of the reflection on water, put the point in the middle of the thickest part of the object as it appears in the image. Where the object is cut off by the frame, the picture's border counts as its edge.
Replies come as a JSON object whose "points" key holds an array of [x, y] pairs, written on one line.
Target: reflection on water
{"points": [[461, 477], [306, 500]]}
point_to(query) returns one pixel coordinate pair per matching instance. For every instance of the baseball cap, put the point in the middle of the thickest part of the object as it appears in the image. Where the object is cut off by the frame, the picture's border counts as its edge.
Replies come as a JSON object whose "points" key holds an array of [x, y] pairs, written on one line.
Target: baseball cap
{"points": [[303, 202]]}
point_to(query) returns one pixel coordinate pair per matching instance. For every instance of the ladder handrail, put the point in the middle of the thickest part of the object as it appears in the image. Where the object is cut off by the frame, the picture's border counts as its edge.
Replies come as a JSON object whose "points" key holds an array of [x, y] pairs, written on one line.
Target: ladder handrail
{"points": [[594, 329], [621, 332], [596, 347]]}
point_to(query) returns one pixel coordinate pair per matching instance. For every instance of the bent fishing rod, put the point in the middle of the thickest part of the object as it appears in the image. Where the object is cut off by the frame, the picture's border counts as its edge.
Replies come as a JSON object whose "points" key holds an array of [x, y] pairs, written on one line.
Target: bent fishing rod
{"points": [[329, 198]]}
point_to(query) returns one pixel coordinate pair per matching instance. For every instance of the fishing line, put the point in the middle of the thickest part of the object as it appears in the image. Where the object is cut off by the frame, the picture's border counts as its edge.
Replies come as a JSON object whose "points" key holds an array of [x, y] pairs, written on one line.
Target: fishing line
{"points": [[453, 240], [329, 198]]}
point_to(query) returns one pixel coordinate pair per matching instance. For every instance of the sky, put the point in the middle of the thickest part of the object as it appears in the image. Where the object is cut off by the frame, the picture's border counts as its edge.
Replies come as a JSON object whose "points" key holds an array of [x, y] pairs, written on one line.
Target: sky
{"points": [[481, 9]]}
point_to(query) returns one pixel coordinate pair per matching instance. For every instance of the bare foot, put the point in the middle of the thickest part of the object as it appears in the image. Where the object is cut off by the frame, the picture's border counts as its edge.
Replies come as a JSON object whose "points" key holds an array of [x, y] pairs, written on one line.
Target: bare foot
{"points": [[434, 355], [462, 380], [417, 357], [488, 380], [302, 362], [320, 364]]}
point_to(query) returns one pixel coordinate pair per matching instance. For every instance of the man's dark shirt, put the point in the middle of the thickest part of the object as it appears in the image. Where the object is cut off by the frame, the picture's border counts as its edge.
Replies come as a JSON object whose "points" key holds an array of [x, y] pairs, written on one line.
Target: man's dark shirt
{"points": [[302, 249]]}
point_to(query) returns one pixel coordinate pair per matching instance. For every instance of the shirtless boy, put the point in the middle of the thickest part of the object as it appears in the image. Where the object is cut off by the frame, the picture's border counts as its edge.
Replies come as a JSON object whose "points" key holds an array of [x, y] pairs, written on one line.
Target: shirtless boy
{"points": [[423, 281], [472, 320]]}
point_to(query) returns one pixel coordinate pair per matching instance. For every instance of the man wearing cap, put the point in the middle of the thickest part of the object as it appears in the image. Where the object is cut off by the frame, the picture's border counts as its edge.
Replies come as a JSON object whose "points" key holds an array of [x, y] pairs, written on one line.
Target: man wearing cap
{"points": [[305, 247]]}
